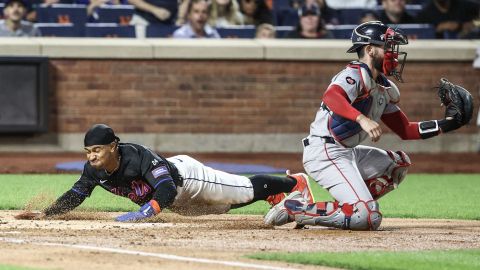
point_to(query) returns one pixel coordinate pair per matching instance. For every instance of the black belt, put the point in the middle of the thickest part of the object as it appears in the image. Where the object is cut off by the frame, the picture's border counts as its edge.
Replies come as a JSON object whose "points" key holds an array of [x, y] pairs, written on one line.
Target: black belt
{"points": [[306, 142]]}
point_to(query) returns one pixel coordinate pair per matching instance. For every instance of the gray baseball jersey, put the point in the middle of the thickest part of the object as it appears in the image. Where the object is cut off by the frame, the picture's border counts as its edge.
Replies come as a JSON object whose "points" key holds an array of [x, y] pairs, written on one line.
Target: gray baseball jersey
{"points": [[340, 165]]}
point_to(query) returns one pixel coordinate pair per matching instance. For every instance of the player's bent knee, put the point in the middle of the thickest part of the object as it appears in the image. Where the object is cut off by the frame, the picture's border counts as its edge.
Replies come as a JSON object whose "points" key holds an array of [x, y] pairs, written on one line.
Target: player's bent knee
{"points": [[380, 186], [366, 216], [399, 172]]}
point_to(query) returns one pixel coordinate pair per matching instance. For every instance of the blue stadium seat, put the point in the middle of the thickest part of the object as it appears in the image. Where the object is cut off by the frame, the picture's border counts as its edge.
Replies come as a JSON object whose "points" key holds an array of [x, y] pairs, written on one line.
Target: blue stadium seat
{"points": [[286, 17], [160, 30], [350, 15], [247, 31], [417, 31], [111, 30], [121, 14], [341, 31], [282, 31], [64, 13], [281, 4], [413, 9], [57, 29]]}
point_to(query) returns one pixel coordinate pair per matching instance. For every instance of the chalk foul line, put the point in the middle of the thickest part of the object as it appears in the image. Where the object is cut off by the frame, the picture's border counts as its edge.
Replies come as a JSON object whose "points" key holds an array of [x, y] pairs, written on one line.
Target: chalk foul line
{"points": [[148, 254]]}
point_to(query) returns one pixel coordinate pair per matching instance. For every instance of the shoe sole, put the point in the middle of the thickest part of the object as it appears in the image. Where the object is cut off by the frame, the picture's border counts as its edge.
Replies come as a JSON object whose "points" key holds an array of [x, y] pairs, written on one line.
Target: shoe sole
{"points": [[270, 216]]}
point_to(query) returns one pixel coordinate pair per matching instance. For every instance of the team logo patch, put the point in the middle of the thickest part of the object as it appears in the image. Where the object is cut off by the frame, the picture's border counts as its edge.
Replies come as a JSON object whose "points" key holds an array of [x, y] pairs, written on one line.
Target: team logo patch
{"points": [[350, 80], [159, 171], [380, 101]]}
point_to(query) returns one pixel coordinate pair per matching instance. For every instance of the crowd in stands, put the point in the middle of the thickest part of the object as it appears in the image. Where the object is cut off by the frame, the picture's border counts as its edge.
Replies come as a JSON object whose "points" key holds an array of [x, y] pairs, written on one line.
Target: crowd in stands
{"points": [[296, 19]]}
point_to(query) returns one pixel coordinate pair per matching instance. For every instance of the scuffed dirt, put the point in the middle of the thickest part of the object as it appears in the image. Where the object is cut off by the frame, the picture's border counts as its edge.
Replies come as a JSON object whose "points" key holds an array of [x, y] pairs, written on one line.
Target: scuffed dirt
{"points": [[219, 237]]}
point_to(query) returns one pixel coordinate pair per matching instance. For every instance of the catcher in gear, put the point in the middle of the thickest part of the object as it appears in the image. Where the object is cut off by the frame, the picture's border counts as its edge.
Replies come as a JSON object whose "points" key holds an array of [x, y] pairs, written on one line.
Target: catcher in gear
{"points": [[357, 98], [179, 183]]}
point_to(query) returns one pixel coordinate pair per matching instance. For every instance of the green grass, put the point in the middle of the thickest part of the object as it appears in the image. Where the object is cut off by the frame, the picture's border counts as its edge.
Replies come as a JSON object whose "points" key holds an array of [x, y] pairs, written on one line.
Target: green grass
{"points": [[40, 190], [450, 196], [12, 267], [378, 260]]}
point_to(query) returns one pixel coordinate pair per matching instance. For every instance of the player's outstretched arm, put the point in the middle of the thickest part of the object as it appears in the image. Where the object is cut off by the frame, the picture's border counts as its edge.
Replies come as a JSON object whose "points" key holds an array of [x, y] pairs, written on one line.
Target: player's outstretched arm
{"points": [[65, 203]]}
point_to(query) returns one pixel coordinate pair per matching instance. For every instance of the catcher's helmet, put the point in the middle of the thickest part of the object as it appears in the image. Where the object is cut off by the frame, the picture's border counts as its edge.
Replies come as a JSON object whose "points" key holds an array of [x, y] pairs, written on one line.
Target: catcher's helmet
{"points": [[368, 33], [377, 33]]}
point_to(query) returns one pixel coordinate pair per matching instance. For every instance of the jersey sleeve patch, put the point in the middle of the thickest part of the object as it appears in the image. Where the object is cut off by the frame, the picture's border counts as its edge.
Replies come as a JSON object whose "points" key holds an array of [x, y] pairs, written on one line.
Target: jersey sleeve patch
{"points": [[159, 171], [350, 80]]}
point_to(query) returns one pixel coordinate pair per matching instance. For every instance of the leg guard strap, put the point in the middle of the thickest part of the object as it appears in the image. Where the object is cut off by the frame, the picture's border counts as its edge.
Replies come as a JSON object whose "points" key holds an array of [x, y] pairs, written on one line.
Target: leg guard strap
{"points": [[380, 186], [359, 216]]}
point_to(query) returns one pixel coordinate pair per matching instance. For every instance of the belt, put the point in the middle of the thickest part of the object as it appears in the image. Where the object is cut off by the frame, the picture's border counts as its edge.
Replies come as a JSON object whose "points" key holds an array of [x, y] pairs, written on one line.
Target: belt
{"points": [[306, 141]]}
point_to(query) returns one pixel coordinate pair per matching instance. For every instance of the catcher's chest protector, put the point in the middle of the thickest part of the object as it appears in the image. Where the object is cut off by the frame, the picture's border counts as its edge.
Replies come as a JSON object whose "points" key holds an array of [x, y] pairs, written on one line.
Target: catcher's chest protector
{"points": [[369, 97]]}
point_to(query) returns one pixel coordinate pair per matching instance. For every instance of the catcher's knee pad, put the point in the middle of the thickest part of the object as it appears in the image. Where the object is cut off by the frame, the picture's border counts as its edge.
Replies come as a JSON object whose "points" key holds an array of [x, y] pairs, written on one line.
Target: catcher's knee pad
{"points": [[395, 175], [400, 169], [366, 216], [359, 216]]}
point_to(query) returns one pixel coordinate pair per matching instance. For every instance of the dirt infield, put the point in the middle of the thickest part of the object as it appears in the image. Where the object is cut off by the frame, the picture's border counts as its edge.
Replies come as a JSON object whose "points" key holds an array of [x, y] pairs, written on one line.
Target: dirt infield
{"points": [[421, 163], [93, 240]]}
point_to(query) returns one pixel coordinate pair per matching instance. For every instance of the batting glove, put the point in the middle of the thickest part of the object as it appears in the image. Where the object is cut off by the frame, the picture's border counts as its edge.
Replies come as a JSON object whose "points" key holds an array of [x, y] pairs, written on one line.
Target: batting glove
{"points": [[149, 209]]}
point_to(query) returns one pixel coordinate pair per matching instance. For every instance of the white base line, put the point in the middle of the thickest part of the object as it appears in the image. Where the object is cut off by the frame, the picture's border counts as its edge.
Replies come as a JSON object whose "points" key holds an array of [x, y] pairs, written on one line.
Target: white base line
{"points": [[150, 254]]}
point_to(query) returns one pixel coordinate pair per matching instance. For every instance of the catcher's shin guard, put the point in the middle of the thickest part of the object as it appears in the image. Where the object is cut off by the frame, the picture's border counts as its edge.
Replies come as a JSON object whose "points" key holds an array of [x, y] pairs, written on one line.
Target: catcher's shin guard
{"points": [[380, 186], [359, 216]]}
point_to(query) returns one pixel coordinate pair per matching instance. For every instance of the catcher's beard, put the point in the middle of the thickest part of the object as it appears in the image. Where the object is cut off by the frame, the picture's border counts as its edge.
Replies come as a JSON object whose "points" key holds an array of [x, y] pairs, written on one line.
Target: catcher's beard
{"points": [[378, 63]]}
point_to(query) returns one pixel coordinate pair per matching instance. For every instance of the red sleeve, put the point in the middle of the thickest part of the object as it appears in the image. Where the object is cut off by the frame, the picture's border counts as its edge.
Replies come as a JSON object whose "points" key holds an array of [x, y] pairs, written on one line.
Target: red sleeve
{"points": [[398, 123], [338, 102]]}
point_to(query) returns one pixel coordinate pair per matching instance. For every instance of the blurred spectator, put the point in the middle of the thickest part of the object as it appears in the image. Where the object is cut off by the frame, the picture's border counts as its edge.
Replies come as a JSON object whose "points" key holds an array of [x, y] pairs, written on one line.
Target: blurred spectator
{"points": [[329, 15], [197, 17], [225, 13], [13, 24], [394, 12], [255, 12], [93, 5], [366, 4], [310, 24], [32, 13], [368, 16], [474, 33], [452, 19], [265, 31], [149, 12]]}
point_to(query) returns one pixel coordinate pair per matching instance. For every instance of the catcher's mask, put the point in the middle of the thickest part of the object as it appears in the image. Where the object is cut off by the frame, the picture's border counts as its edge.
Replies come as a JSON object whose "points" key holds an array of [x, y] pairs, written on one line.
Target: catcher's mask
{"points": [[377, 33]]}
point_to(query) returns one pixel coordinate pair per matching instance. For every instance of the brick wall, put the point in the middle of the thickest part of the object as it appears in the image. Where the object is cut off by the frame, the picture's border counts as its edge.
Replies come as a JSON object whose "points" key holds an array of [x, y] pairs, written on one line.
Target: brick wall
{"points": [[182, 96]]}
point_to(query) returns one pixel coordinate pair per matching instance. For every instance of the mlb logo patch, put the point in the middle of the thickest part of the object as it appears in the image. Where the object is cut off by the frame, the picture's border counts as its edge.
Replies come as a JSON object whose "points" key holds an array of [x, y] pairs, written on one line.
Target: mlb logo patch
{"points": [[160, 171]]}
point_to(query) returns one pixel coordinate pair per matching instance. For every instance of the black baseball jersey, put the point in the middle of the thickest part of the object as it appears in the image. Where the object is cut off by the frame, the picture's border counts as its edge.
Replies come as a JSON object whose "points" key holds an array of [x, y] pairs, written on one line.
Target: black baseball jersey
{"points": [[140, 172]]}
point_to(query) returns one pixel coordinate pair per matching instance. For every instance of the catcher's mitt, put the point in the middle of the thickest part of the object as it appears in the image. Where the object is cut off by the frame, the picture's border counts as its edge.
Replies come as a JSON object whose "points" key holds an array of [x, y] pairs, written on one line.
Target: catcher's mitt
{"points": [[457, 100]]}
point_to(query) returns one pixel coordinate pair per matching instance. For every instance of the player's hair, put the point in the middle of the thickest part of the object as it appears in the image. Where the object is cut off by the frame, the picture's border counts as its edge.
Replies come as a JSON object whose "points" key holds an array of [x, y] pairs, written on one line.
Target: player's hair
{"points": [[361, 52], [191, 2], [267, 26], [230, 13]]}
